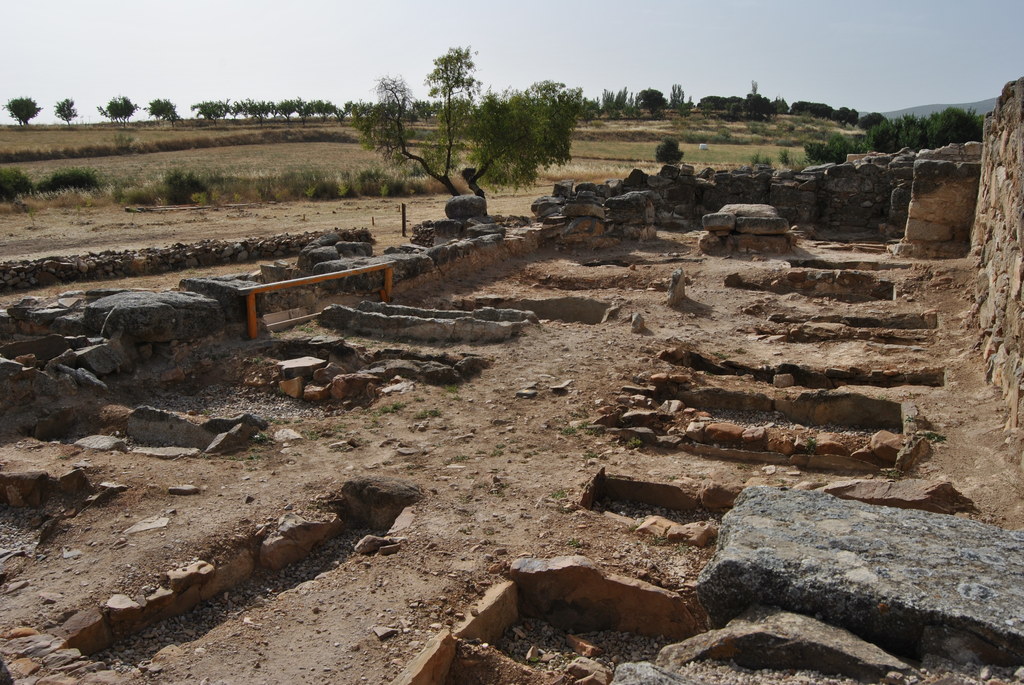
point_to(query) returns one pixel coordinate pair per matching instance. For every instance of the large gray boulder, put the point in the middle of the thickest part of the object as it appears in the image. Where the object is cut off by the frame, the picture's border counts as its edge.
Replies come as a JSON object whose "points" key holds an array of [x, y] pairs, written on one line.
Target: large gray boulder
{"points": [[155, 317], [375, 502], [465, 207], [912, 582]]}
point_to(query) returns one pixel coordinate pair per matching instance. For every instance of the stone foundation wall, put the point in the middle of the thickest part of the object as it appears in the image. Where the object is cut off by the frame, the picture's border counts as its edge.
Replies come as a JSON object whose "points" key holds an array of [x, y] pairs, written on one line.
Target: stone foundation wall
{"points": [[26, 274], [996, 240]]}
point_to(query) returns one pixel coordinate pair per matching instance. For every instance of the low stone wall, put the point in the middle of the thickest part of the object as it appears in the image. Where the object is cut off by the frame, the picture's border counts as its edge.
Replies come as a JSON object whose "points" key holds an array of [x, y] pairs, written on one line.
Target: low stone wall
{"points": [[25, 274], [996, 241]]}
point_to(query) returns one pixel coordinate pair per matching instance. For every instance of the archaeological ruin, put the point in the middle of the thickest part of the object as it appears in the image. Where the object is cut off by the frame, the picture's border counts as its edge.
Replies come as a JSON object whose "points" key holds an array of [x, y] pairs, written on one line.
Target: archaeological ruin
{"points": [[687, 426]]}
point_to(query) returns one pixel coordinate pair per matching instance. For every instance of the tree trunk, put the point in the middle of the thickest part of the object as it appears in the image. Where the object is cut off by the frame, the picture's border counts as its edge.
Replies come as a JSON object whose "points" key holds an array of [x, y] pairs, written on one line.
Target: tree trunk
{"points": [[471, 175], [448, 185]]}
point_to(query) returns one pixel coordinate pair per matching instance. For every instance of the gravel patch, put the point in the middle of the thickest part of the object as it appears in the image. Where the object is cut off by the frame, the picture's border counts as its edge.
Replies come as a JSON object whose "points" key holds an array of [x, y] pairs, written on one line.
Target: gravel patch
{"points": [[774, 419], [555, 652], [18, 531], [231, 400]]}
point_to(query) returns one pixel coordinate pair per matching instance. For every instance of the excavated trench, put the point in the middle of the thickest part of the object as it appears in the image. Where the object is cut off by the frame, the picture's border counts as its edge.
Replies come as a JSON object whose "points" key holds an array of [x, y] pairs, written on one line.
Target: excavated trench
{"points": [[128, 630], [804, 376], [583, 310], [260, 589]]}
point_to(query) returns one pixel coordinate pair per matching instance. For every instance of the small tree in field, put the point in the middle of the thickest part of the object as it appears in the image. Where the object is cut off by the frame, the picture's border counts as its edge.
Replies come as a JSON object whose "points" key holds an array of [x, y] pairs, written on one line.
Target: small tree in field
{"points": [[65, 110], [668, 151], [119, 109], [22, 110], [506, 136], [163, 109]]}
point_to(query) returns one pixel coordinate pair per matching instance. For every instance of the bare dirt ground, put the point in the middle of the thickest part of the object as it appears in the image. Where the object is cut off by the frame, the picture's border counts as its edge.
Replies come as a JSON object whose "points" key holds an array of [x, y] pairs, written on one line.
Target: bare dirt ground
{"points": [[501, 473]]}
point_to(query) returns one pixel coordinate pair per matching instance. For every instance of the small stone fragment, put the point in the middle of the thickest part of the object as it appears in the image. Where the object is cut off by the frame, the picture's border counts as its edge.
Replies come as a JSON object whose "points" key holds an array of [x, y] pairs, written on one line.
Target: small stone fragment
{"points": [[384, 632]]}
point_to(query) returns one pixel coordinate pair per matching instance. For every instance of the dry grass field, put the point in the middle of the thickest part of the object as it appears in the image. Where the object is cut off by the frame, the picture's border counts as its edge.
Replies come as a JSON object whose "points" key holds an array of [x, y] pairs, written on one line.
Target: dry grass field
{"points": [[131, 161]]}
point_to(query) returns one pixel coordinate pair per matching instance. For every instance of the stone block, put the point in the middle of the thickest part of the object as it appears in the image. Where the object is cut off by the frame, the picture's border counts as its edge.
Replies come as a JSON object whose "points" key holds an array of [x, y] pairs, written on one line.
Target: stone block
{"points": [[766, 638], [150, 426], [24, 488], [87, 631], [490, 617], [891, 576], [757, 225], [572, 593], [939, 497]]}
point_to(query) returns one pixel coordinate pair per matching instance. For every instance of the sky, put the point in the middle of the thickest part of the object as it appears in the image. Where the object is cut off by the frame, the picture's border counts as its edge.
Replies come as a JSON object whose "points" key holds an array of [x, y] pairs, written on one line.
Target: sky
{"points": [[870, 55]]}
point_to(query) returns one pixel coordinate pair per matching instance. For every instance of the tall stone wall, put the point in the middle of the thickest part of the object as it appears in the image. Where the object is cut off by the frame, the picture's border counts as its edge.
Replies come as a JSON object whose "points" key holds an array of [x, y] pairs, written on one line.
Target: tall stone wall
{"points": [[870, 194], [996, 239]]}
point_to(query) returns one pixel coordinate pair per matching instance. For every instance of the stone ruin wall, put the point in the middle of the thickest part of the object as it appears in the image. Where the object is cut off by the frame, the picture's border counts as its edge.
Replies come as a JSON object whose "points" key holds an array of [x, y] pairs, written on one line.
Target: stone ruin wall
{"points": [[996, 241], [34, 273], [868, 194], [881, 194]]}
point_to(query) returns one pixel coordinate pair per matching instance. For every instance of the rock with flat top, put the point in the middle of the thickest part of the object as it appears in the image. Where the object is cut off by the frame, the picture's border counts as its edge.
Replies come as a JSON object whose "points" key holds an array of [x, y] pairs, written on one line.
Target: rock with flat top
{"points": [[939, 497], [911, 582], [300, 367], [769, 638], [646, 673], [154, 317], [102, 443]]}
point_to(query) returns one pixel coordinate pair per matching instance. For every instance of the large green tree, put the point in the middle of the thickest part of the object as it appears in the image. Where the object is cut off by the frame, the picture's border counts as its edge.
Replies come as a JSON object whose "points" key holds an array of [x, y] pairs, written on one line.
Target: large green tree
{"points": [[22, 110], [505, 137], [119, 109], [652, 100]]}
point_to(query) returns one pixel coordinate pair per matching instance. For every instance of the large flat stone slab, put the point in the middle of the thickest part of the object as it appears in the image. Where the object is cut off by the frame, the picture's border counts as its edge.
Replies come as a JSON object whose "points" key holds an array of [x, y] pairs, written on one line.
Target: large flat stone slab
{"points": [[155, 317], [909, 581]]}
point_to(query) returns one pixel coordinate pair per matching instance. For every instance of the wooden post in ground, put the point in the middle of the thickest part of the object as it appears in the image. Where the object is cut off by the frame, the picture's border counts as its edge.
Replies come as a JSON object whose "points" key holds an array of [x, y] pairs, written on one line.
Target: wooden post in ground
{"points": [[403, 219]]}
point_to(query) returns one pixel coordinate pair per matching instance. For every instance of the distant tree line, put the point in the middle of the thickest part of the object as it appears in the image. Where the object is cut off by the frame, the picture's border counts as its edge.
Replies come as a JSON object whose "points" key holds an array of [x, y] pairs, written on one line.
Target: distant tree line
{"points": [[620, 104], [121, 110], [951, 125]]}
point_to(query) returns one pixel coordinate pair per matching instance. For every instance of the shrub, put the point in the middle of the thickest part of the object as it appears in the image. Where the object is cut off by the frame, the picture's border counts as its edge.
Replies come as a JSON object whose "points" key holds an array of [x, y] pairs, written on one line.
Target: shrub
{"points": [[74, 178], [760, 158], [835, 150], [180, 186], [785, 159], [668, 152], [13, 182]]}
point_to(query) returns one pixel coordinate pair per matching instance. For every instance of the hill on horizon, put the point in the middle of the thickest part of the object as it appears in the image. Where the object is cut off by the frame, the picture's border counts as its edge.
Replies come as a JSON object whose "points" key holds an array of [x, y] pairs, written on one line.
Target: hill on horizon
{"points": [[980, 107]]}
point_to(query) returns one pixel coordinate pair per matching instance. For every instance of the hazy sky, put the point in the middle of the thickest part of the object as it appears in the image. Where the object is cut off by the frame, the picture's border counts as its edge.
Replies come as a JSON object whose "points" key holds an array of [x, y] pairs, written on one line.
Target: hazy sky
{"points": [[871, 55]]}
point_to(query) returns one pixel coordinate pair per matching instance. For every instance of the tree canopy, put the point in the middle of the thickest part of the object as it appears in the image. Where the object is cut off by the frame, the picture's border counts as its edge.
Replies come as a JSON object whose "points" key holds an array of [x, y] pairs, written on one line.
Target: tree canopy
{"points": [[506, 137], [652, 100], [65, 110], [212, 110], [22, 110], [163, 109], [119, 109]]}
